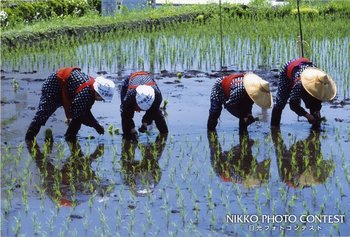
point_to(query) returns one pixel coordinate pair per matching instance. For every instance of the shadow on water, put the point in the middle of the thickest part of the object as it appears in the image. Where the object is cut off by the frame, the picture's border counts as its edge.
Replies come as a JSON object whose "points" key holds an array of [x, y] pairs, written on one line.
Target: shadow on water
{"points": [[302, 165], [141, 176], [238, 164], [76, 181]]}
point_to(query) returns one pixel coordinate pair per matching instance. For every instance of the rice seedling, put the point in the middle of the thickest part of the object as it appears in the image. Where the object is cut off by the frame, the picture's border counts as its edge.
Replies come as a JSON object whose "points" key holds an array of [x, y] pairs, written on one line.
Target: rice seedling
{"points": [[17, 227]]}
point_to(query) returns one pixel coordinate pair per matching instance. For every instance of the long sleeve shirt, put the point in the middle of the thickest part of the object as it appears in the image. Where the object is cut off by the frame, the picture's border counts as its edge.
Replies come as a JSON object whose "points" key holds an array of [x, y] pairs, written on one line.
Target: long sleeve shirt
{"points": [[129, 105], [238, 103], [294, 91], [51, 99]]}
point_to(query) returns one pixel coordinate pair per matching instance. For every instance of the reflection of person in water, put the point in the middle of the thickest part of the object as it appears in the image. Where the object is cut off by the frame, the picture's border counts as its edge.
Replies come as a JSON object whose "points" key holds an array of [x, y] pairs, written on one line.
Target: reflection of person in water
{"points": [[142, 175], [238, 164], [76, 181], [302, 165]]}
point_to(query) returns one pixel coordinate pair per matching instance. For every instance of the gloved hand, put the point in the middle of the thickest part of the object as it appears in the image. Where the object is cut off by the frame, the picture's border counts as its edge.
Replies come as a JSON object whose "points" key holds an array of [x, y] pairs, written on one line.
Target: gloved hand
{"points": [[317, 124], [100, 129], [311, 118], [143, 128]]}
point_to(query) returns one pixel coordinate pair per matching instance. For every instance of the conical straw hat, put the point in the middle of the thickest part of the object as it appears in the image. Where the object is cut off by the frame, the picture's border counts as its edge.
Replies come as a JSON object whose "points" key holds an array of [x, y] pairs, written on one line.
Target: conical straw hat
{"points": [[258, 90], [318, 84]]}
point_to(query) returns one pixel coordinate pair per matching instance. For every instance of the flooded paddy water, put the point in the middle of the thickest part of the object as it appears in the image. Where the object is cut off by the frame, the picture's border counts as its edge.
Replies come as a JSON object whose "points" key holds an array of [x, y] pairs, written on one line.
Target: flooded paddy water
{"points": [[189, 183]]}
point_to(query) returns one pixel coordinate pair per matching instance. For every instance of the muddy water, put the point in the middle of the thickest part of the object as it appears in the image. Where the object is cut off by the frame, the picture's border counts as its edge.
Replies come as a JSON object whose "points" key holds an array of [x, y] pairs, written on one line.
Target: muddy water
{"points": [[188, 183]]}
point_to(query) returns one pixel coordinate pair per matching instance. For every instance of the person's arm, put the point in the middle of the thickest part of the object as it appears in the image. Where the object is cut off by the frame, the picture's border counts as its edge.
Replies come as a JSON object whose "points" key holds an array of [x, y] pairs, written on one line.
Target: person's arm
{"points": [[89, 120], [154, 113], [240, 105], [295, 100], [81, 110], [82, 103], [245, 117], [216, 102], [124, 88], [315, 106]]}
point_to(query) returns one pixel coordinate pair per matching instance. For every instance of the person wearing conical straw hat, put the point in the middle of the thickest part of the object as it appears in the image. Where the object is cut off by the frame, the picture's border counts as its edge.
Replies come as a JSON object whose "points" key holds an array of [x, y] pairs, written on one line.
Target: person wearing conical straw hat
{"points": [[140, 92], [237, 93], [300, 79]]}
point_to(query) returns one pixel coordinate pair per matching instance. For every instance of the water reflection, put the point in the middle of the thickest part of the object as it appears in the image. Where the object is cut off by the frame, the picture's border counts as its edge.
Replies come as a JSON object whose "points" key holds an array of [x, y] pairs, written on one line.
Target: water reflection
{"points": [[142, 175], [238, 164], [301, 165], [73, 182]]}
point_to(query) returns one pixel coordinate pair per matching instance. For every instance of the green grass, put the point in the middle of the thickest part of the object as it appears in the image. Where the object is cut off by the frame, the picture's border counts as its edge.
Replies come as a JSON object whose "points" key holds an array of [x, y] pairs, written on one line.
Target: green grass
{"points": [[331, 13]]}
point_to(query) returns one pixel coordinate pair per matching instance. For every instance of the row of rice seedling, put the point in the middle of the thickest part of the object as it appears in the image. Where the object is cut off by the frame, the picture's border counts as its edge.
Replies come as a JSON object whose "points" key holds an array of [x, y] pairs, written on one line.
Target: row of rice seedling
{"points": [[174, 49]]}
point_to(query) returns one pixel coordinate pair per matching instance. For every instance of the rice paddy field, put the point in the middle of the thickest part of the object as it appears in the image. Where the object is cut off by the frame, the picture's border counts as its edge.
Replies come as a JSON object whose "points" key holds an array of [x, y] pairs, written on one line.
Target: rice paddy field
{"points": [[289, 182]]}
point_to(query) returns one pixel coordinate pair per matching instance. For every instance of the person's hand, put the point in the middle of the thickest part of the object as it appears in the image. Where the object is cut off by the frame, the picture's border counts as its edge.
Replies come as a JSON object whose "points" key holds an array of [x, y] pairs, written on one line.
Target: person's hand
{"points": [[131, 136], [143, 128], [249, 120], [317, 114], [311, 118], [100, 129], [317, 124]]}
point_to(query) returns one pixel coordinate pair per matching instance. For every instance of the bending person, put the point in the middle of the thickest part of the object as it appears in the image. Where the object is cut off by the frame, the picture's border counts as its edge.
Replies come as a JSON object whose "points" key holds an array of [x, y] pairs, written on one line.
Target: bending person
{"points": [[76, 92], [237, 93], [300, 79], [140, 92]]}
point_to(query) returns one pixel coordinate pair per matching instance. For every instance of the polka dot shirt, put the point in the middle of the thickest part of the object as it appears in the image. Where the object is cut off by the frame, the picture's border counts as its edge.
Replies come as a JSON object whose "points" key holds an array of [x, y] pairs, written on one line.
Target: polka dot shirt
{"points": [[295, 93], [239, 103], [51, 97]]}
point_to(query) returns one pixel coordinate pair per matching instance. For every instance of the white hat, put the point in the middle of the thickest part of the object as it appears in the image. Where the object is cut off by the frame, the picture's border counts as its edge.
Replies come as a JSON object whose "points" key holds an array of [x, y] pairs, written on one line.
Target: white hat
{"points": [[144, 97], [318, 84], [105, 88], [258, 90]]}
